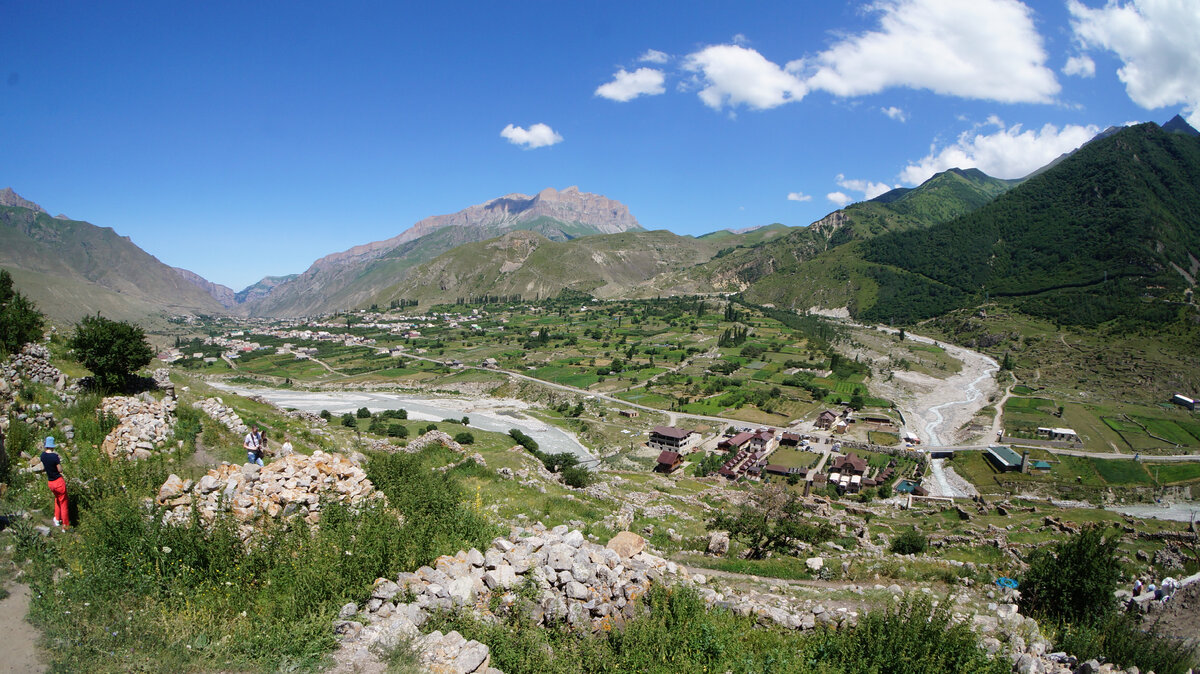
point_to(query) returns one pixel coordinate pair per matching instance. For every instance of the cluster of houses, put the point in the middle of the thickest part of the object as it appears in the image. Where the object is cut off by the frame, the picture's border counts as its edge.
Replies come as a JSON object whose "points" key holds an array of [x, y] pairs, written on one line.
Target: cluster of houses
{"points": [[851, 474], [673, 444], [834, 422]]}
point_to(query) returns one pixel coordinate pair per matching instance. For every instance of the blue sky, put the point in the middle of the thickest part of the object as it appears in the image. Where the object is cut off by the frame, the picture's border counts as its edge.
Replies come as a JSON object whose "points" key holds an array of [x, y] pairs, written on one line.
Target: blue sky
{"points": [[246, 139]]}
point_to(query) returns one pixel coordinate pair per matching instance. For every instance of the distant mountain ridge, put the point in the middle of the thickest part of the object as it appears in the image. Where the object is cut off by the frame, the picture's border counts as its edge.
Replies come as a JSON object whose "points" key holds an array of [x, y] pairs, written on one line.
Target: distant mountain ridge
{"points": [[72, 268], [346, 279]]}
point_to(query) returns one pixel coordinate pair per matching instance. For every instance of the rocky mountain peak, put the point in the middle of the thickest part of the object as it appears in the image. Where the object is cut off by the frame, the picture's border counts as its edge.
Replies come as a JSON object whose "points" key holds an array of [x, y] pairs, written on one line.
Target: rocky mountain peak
{"points": [[10, 198]]}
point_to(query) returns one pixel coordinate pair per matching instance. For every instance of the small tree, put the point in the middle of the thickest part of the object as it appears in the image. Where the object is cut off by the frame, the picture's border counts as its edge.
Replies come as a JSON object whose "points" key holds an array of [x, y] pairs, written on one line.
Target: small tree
{"points": [[771, 521], [464, 438], [112, 350], [1073, 580], [326, 415], [397, 431], [349, 421], [20, 321], [363, 413]]}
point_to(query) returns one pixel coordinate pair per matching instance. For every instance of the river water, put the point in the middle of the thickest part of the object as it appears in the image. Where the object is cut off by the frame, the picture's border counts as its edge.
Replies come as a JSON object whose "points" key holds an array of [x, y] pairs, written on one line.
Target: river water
{"points": [[485, 414]]}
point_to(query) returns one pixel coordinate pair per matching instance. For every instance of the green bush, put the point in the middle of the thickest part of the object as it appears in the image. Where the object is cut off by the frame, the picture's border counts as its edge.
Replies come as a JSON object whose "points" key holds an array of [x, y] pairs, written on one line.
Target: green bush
{"points": [[363, 413], [325, 414], [397, 431], [577, 477], [464, 438], [430, 428], [1119, 639], [349, 421], [910, 542]]}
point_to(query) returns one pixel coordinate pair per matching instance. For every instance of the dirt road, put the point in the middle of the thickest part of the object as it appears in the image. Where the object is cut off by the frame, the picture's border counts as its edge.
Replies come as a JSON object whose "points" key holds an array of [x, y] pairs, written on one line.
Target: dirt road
{"points": [[20, 638]]}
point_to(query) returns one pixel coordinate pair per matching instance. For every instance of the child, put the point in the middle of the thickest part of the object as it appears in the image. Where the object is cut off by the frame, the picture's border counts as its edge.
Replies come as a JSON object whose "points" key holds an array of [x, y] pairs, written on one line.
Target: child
{"points": [[58, 484]]}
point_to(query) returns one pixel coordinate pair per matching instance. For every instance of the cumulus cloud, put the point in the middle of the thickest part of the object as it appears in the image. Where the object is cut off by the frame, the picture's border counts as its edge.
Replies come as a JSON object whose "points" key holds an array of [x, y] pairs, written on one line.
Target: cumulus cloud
{"points": [[868, 189], [839, 198], [799, 196], [984, 49], [654, 56], [1156, 42], [627, 86], [538, 135], [895, 113], [732, 75], [1081, 65], [1009, 152]]}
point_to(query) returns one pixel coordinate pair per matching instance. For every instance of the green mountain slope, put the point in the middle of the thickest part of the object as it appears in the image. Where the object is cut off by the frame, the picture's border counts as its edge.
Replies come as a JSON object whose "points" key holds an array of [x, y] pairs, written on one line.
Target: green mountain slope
{"points": [[73, 268], [941, 198], [1113, 229]]}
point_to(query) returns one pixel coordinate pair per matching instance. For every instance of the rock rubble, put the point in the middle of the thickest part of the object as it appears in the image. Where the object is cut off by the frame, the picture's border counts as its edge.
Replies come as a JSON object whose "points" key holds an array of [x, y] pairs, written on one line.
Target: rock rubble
{"points": [[294, 485], [217, 409], [144, 426]]}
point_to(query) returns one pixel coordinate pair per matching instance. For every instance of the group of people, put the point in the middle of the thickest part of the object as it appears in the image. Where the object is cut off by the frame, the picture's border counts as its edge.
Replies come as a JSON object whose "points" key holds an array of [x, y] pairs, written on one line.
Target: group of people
{"points": [[1161, 592]]}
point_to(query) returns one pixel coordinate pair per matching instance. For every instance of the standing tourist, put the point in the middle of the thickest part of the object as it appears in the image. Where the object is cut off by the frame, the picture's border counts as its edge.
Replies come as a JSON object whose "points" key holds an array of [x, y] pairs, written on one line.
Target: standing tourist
{"points": [[250, 444], [58, 484]]}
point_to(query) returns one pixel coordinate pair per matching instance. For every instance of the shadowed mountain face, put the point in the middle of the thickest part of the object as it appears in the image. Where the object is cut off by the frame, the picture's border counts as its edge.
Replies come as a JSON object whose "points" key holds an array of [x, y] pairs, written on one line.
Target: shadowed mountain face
{"points": [[72, 268], [352, 277], [1111, 231]]}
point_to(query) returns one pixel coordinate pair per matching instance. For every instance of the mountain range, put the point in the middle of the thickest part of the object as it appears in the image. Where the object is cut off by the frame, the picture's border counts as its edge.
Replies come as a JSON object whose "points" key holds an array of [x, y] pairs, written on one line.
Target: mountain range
{"points": [[1117, 219]]}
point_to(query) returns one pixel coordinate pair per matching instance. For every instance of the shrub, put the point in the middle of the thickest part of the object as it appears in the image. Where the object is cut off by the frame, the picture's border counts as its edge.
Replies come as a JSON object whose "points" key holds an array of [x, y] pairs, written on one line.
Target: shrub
{"points": [[910, 542], [349, 421], [464, 438], [430, 427], [363, 413], [577, 477], [326, 415], [397, 431]]}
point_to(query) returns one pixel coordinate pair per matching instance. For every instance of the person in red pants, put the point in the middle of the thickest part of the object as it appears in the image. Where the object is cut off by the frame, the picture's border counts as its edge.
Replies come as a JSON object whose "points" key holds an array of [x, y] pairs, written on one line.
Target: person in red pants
{"points": [[58, 485]]}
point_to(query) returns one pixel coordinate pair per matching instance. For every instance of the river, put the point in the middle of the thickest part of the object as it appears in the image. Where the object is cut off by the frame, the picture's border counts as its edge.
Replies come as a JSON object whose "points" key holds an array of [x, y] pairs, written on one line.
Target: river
{"points": [[487, 414]]}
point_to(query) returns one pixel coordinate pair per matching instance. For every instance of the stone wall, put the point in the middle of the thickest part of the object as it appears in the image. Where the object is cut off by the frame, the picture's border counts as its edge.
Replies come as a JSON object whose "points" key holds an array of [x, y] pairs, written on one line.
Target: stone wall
{"points": [[217, 409], [294, 485], [145, 425]]}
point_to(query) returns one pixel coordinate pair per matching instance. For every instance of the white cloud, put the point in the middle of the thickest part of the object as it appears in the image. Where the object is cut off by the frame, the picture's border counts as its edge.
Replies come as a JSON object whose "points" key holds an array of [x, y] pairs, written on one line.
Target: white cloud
{"points": [[1007, 153], [1081, 65], [1156, 42], [799, 196], [627, 86], [895, 113], [839, 198], [869, 189], [733, 76], [984, 49], [740, 39], [654, 56], [538, 135]]}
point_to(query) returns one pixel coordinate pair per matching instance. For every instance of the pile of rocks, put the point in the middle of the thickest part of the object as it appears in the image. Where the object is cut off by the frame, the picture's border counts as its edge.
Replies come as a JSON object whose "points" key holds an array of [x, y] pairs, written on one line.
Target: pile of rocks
{"points": [[144, 425], [432, 438], [553, 576], [294, 485], [32, 363], [217, 409], [311, 418]]}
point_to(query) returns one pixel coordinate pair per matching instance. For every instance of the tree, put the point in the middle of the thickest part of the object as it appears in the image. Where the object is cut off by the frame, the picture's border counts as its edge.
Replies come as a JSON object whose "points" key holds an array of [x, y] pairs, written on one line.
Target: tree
{"points": [[112, 350], [349, 421], [771, 521], [464, 438], [20, 321], [1073, 580], [363, 413]]}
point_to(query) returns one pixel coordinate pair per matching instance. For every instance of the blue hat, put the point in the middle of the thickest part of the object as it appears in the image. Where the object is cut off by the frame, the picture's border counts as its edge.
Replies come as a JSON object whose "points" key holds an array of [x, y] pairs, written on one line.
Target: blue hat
{"points": [[50, 442]]}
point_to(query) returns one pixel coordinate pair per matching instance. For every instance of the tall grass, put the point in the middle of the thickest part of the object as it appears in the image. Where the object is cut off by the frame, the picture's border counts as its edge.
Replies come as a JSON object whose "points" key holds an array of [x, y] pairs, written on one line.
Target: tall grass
{"points": [[141, 595]]}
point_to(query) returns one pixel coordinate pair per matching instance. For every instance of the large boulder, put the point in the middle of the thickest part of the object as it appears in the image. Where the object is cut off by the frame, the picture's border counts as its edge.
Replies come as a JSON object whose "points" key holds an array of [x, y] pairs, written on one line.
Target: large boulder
{"points": [[626, 544], [718, 543]]}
